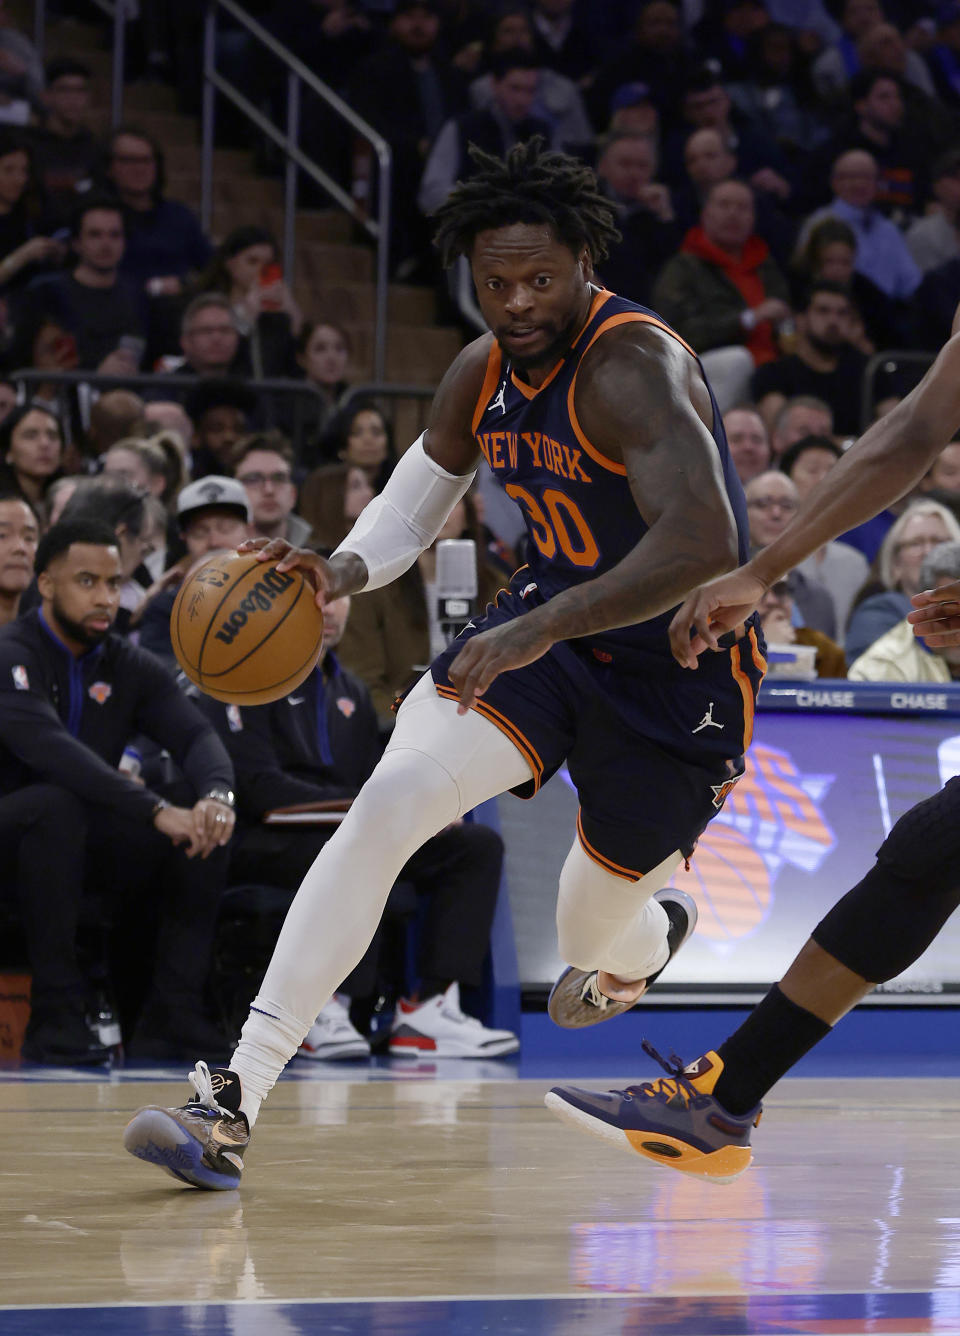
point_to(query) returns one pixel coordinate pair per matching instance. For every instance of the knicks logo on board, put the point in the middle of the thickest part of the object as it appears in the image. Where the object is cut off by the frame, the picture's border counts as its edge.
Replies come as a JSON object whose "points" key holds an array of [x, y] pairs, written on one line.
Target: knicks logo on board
{"points": [[100, 692]]}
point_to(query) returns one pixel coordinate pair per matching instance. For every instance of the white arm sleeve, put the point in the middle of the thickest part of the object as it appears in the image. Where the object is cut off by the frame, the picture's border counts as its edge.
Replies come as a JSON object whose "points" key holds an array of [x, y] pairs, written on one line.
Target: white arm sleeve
{"points": [[406, 517]]}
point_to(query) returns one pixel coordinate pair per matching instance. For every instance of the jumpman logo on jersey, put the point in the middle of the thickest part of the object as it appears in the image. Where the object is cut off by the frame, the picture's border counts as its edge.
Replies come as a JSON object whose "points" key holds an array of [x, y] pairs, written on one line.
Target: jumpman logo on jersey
{"points": [[500, 401], [707, 721]]}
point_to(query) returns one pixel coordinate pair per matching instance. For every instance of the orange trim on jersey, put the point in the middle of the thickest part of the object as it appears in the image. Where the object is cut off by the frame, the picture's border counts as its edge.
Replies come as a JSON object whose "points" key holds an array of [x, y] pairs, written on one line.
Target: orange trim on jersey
{"points": [[490, 378], [607, 864], [746, 691], [624, 318], [759, 662], [531, 392], [507, 728]]}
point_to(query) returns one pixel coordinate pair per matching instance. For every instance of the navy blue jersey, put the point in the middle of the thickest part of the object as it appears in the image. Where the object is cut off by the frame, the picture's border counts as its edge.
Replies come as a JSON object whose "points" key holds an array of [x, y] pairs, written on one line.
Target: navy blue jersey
{"points": [[580, 513]]}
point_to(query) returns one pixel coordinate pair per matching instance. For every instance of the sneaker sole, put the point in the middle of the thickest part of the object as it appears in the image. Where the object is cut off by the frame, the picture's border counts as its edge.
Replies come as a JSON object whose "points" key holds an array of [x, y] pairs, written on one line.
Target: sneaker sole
{"points": [[409, 1046], [718, 1166], [154, 1136]]}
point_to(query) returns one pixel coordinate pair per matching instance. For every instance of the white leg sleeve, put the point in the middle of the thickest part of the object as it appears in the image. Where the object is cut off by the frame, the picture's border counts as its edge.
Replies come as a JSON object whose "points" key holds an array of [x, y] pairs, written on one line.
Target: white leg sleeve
{"points": [[606, 923], [438, 765]]}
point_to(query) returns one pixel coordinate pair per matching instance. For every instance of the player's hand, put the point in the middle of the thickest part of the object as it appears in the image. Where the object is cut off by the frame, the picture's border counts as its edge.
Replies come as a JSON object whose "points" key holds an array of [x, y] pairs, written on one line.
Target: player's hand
{"points": [[179, 826], [213, 823], [326, 579], [936, 615], [712, 610], [485, 656]]}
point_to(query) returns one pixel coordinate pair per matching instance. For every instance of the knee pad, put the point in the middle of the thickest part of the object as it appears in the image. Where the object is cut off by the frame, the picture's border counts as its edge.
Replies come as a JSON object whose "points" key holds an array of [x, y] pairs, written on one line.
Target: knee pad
{"points": [[925, 842]]}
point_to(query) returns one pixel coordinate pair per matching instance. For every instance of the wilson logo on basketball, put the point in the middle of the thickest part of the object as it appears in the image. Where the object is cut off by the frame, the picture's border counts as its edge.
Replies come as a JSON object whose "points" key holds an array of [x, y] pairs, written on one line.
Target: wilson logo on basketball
{"points": [[260, 599]]}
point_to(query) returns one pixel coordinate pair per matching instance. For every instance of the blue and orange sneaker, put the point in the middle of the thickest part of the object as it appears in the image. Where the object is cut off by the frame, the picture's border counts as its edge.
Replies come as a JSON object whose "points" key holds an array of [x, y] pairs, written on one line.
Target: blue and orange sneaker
{"points": [[674, 1121], [202, 1142]]}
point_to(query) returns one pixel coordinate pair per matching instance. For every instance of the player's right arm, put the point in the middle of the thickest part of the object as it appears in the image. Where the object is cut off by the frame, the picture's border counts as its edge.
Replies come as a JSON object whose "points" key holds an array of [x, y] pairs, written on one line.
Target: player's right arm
{"points": [[889, 459], [431, 477]]}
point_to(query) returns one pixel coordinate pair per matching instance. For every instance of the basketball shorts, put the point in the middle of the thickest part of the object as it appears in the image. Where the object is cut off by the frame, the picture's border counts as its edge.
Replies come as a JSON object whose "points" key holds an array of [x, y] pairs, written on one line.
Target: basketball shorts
{"points": [[652, 755]]}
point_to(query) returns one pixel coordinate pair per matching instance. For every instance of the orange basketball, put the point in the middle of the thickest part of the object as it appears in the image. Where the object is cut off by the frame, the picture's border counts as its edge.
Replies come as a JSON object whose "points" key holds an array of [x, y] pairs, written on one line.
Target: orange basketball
{"points": [[243, 631]]}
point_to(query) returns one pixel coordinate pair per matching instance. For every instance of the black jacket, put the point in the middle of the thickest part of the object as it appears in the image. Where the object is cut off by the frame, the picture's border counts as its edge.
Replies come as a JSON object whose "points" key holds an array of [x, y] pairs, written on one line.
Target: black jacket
{"points": [[66, 721], [319, 743]]}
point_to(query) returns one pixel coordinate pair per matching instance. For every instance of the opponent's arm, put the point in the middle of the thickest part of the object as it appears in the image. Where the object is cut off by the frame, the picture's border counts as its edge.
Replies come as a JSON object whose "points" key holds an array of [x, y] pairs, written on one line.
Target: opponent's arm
{"points": [[431, 477]]}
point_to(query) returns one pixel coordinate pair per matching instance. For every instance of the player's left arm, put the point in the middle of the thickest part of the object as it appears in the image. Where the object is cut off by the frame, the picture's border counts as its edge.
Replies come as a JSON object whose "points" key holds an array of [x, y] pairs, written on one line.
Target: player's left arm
{"points": [[642, 401]]}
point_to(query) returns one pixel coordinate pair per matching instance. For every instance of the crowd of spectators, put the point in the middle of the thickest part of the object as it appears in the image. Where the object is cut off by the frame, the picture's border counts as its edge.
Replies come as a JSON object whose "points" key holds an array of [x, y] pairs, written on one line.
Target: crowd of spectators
{"points": [[786, 179]]}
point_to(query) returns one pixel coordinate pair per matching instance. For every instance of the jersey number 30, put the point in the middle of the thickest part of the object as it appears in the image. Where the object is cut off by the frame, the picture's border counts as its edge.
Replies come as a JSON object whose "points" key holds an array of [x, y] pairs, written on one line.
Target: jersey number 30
{"points": [[552, 526]]}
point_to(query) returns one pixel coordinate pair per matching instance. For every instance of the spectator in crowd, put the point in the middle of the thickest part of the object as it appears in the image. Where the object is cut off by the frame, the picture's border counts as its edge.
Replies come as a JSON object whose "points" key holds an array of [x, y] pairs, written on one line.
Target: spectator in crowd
{"points": [[145, 465], [514, 80], [829, 252], [656, 55], [928, 119], [31, 451], [65, 149], [213, 513], [116, 415], [932, 309], [748, 440], [264, 464], [803, 415], [649, 231], [557, 101], [915, 533], [209, 339], [165, 242], [900, 656], [942, 482], [840, 568], [773, 91], [23, 254], [933, 239], [21, 73], [19, 535], [103, 310], [943, 57], [723, 35], [141, 463], [170, 416], [392, 637], [565, 41], [823, 363], [331, 499], [112, 500], [407, 90], [360, 434], [245, 271], [633, 111], [724, 292], [223, 410], [836, 66], [60, 748], [772, 502], [882, 253], [318, 747], [779, 618], [323, 352]]}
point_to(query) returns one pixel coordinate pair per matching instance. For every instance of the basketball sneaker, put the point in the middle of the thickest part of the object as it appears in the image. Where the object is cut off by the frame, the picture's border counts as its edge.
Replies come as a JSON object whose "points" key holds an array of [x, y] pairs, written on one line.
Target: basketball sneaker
{"points": [[201, 1143], [332, 1037], [439, 1028], [576, 1000], [674, 1121]]}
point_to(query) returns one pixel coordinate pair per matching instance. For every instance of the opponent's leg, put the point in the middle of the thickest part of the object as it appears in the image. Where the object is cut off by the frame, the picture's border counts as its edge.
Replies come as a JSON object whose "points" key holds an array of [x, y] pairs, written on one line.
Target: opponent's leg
{"points": [[617, 935], [438, 766]]}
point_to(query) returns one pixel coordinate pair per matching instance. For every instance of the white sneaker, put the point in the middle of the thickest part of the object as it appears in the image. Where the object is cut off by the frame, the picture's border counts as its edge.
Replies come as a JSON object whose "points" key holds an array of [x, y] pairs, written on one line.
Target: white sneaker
{"points": [[332, 1037], [440, 1028]]}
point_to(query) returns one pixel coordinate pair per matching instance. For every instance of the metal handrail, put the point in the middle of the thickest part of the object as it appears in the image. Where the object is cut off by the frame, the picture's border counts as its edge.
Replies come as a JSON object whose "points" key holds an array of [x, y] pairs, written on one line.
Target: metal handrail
{"points": [[298, 74], [114, 9]]}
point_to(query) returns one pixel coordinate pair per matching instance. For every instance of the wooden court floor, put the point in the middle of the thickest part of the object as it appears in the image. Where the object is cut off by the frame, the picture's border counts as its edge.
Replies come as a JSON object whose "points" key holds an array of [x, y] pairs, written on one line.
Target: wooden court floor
{"points": [[447, 1200]]}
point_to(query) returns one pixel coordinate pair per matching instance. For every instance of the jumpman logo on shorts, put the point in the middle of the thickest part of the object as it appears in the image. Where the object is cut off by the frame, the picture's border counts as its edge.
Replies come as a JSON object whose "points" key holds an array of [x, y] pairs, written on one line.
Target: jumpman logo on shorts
{"points": [[500, 401], [707, 721]]}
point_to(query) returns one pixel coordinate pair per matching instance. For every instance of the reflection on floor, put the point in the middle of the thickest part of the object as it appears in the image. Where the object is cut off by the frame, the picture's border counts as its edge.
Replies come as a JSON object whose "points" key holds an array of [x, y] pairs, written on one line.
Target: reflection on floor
{"points": [[440, 1198]]}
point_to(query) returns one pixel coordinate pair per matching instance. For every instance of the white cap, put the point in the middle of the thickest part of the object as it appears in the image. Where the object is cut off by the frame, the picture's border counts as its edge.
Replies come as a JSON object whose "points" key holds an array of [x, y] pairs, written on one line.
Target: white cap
{"points": [[214, 491]]}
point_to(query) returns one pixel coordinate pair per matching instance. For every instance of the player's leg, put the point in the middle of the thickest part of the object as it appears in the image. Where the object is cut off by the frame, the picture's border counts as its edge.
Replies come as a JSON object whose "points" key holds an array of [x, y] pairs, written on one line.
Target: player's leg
{"points": [[700, 1118], [437, 766]]}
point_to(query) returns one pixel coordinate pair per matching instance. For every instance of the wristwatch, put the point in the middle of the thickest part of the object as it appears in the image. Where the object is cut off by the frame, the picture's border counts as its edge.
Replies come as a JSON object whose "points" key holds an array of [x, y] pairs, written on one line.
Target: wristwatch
{"points": [[218, 795], [160, 805]]}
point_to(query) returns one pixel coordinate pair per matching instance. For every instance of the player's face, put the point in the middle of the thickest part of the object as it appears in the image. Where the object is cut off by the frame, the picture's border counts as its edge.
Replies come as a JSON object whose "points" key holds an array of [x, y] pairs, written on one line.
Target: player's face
{"points": [[533, 291], [81, 591], [18, 546]]}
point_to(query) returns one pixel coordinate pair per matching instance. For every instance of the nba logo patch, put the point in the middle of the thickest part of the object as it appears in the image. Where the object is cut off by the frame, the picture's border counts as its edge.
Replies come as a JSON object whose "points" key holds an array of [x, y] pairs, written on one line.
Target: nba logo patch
{"points": [[234, 719], [20, 679], [346, 706], [100, 692]]}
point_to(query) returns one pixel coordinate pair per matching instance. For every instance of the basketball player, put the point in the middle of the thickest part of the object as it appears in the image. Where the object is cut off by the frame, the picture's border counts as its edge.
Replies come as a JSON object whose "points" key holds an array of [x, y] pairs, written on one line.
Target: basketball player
{"points": [[599, 423], [698, 1119]]}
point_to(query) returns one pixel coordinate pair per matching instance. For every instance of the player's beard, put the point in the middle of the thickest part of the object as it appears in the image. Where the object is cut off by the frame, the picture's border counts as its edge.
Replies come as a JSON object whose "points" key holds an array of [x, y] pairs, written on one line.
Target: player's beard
{"points": [[78, 633], [552, 351]]}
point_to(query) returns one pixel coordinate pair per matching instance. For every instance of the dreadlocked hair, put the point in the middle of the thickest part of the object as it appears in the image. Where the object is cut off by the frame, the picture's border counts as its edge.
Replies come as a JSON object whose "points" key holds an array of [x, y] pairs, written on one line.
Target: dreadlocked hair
{"points": [[532, 184]]}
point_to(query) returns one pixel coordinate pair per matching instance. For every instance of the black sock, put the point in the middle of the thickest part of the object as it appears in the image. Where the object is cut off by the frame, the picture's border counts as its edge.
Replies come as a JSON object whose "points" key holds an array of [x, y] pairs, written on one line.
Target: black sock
{"points": [[774, 1036], [432, 986]]}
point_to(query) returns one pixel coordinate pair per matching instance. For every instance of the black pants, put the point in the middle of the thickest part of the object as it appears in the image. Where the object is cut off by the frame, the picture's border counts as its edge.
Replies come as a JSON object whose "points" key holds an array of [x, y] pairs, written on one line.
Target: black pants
{"points": [[457, 871], [67, 860]]}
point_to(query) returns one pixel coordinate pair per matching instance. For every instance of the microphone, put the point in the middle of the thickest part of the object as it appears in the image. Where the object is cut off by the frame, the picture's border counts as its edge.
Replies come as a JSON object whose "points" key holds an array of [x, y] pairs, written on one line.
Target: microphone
{"points": [[456, 584]]}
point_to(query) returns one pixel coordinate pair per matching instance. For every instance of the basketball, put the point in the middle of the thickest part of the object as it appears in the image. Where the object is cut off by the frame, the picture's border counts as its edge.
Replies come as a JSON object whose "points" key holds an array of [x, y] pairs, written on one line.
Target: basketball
{"points": [[243, 631]]}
